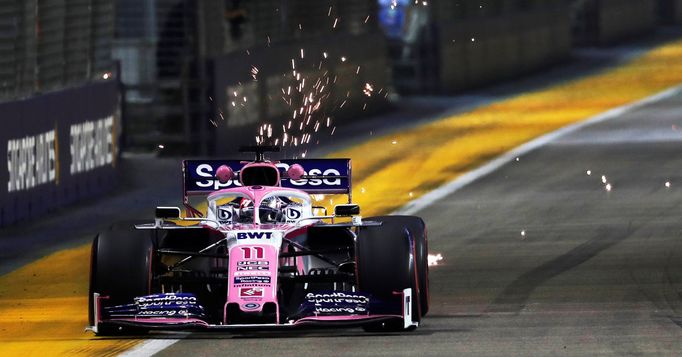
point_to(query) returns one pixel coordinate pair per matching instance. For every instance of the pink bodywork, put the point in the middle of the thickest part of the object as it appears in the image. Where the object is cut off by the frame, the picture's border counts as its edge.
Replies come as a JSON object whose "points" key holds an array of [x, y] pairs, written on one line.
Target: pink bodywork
{"points": [[254, 260], [252, 297], [256, 194]]}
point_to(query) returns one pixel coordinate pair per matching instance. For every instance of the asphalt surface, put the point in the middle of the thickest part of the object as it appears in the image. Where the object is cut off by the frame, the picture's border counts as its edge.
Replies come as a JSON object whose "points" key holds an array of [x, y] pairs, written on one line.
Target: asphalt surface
{"points": [[594, 272]]}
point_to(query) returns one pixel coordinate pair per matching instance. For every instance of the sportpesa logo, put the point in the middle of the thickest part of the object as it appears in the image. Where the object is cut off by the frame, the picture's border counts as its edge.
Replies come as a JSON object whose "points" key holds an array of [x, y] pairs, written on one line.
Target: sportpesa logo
{"points": [[207, 172]]}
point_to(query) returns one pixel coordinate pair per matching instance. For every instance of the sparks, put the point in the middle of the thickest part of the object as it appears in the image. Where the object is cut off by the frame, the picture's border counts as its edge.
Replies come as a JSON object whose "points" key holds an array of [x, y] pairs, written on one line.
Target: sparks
{"points": [[368, 89], [434, 259]]}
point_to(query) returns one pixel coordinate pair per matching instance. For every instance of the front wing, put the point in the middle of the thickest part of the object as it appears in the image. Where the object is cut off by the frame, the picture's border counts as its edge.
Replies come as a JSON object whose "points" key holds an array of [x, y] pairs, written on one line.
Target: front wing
{"points": [[191, 322]]}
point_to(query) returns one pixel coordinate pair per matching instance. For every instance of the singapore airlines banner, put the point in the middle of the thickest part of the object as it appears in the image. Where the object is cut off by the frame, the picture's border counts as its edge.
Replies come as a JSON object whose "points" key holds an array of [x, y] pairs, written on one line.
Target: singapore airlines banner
{"points": [[57, 148]]}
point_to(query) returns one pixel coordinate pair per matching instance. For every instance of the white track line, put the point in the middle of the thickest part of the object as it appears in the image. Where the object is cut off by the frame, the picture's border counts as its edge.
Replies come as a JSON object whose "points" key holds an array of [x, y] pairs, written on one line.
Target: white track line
{"points": [[422, 202], [150, 347]]}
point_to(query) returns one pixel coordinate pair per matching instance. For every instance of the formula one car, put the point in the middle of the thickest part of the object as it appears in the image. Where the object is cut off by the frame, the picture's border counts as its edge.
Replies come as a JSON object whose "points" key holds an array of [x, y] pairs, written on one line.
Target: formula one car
{"points": [[259, 257]]}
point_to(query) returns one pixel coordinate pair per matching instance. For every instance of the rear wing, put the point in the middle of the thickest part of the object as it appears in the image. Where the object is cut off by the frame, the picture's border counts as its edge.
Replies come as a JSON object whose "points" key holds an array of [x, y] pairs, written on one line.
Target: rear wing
{"points": [[322, 176]]}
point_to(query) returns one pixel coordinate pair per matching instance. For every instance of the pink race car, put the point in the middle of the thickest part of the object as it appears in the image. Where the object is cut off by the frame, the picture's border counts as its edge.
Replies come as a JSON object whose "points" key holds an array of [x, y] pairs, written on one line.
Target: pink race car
{"points": [[262, 256]]}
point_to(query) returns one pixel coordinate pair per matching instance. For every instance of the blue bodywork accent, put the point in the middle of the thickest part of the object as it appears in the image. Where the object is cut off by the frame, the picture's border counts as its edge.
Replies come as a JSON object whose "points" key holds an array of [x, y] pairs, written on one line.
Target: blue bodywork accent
{"points": [[344, 303], [159, 305]]}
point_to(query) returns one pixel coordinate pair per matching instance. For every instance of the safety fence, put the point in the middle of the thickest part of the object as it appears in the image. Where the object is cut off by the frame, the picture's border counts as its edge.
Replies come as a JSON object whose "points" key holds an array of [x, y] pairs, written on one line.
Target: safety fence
{"points": [[49, 45], [168, 81]]}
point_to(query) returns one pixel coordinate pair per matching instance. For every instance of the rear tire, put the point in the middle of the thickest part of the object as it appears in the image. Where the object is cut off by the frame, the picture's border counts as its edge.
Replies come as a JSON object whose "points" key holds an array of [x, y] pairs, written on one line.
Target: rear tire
{"points": [[121, 268], [385, 265]]}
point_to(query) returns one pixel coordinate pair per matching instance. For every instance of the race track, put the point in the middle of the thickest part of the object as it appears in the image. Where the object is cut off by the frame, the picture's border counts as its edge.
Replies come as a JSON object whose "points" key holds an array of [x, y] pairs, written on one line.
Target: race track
{"points": [[540, 258]]}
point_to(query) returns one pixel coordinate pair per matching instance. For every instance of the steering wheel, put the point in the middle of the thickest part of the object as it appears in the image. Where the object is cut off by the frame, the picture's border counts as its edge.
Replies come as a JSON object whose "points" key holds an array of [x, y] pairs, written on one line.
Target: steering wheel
{"points": [[270, 215]]}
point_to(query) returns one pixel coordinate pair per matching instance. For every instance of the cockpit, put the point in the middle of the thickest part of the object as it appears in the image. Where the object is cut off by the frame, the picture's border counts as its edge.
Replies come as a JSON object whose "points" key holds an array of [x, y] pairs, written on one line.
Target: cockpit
{"points": [[259, 206]]}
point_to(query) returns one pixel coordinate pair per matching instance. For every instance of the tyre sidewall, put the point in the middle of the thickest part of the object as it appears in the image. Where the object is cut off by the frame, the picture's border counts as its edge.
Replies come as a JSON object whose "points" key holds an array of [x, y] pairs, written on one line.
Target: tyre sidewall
{"points": [[385, 261], [121, 266]]}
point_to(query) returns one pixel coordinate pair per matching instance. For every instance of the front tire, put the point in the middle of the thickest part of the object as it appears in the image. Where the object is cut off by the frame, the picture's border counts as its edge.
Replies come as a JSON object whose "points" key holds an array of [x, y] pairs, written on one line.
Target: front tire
{"points": [[389, 259], [121, 269], [417, 229]]}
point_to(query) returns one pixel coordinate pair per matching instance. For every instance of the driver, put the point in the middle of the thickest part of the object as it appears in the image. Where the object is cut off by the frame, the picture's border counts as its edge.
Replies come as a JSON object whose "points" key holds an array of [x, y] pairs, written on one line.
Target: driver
{"points": [[271, 209]]}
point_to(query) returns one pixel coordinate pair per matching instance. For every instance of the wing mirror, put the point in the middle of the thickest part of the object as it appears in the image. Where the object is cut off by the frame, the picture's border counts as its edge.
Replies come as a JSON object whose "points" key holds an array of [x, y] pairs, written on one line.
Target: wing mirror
{"points": [[224, 174], [346, 210], [167, 212]]}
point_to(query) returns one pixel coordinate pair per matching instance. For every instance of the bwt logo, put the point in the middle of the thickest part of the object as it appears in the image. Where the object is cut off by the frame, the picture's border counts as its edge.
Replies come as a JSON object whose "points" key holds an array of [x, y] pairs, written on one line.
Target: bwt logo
{"points": [[254, 235]]}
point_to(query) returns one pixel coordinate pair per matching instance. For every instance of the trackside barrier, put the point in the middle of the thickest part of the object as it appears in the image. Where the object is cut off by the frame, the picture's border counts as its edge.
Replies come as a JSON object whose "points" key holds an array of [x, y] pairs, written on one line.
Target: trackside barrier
{"points": [[670, 11], [481, 51], [619, 19], [57, 148], [608, 21]]}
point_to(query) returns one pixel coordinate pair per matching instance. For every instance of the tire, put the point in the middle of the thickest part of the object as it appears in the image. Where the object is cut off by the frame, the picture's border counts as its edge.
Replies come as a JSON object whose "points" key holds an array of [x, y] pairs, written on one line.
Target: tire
{"points": [[417, 229], [120, 268], [384, 263]]}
